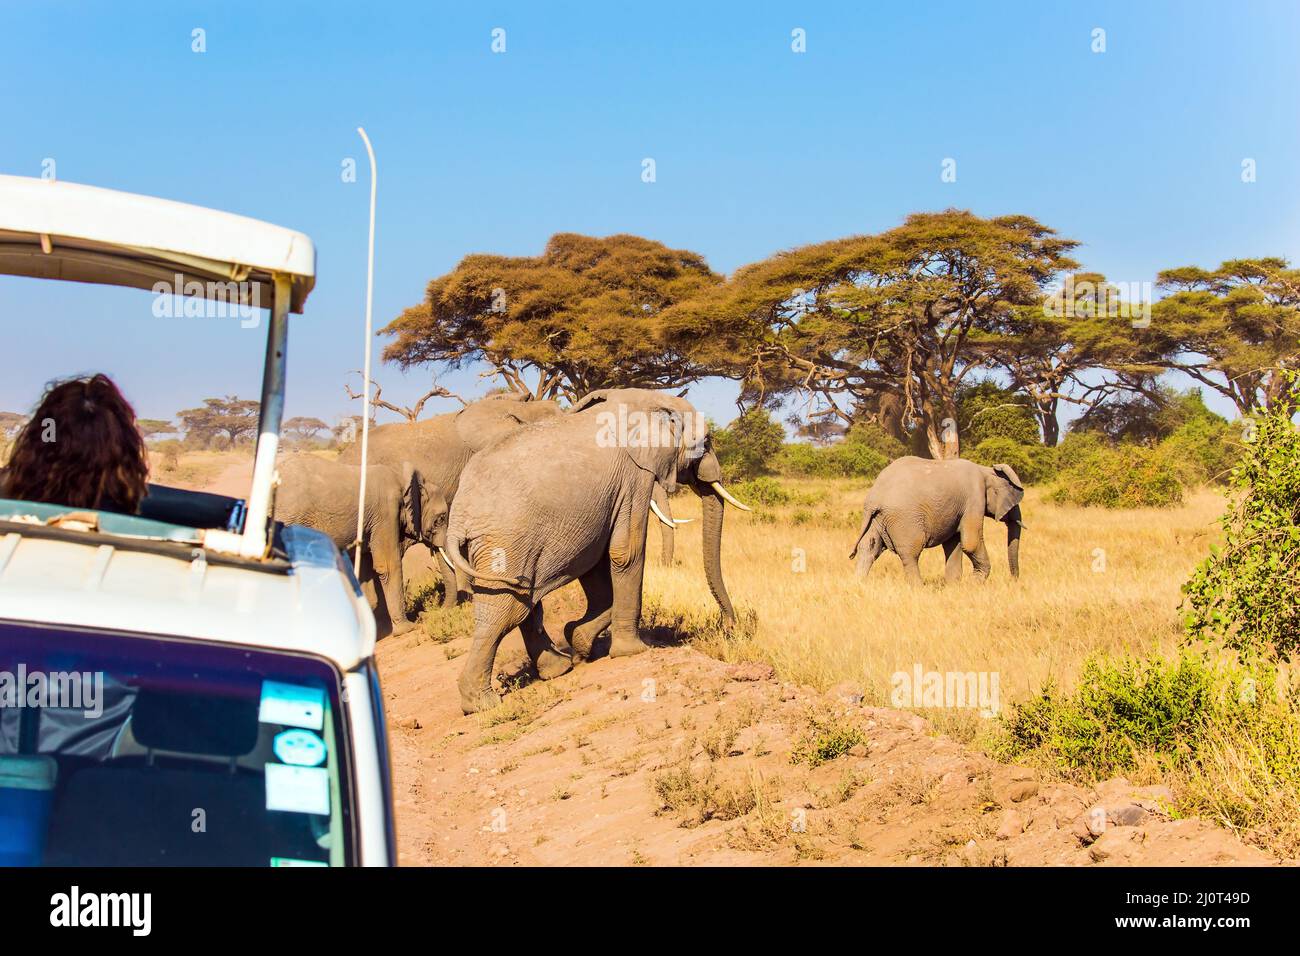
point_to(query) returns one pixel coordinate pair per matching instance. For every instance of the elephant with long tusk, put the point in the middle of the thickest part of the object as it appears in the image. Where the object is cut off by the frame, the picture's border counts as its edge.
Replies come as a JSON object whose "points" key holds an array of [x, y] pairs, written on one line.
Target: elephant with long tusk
{"points": [[571, 499]]}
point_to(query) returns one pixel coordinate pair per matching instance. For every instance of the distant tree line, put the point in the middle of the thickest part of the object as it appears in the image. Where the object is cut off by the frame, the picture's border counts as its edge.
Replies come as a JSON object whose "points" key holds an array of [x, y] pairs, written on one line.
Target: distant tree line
{"points": [[894, 329]]}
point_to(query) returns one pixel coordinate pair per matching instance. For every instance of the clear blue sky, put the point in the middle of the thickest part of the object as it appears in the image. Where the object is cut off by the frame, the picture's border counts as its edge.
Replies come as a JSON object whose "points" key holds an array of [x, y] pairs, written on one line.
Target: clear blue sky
{"points": [[1136, 151]]}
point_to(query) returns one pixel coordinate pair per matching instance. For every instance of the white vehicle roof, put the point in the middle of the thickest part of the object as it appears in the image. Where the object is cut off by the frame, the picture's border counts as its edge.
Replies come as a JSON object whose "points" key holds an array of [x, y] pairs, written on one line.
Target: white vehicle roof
{"points": [[56, 230], [103, 586]]}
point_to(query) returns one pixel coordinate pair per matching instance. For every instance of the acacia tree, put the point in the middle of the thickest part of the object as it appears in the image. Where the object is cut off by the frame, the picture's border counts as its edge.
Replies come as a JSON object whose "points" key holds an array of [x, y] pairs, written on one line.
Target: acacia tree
{"points": [[911, 313], [585, 314], [1079, 328], [1235, 330], [304, 428], [231, 417]]}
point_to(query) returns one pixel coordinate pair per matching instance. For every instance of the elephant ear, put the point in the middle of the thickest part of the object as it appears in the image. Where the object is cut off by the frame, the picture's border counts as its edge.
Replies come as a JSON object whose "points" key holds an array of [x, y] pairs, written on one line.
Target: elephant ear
{"points": [[1005, 490], [483, 423]]}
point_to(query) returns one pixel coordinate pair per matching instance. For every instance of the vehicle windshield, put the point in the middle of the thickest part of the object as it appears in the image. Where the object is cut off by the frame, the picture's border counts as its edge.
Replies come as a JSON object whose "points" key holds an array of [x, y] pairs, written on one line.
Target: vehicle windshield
{"points": [[120, 750]]}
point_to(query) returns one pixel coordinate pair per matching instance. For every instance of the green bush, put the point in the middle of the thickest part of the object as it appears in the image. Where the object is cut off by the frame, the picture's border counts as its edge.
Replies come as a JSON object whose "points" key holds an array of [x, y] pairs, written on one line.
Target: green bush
{"points": [[1247, 592], [1227, 737], [1128, 711], [1033, 463], [987, 410], [748, 446], [1204, 450], [871, 435], [762, 491], [843, 460], [1123, 476]]}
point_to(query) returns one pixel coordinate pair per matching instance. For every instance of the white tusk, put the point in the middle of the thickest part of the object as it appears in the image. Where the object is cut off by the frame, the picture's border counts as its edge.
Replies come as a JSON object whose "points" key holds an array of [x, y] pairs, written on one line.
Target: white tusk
{"points": [[660, 515], [683, 520], [443, 554], [726, 496]]}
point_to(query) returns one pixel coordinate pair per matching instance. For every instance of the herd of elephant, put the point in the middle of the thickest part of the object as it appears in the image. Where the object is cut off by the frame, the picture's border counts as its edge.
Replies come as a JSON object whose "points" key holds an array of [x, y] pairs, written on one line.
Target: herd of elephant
{"points": [[520, 497]]}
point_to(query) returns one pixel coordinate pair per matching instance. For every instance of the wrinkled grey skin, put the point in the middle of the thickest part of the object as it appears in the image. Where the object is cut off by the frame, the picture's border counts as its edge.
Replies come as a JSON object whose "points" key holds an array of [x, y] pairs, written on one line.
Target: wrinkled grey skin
{"points": [[440, 448], [918, 503], [569, 499], [401, 509]]}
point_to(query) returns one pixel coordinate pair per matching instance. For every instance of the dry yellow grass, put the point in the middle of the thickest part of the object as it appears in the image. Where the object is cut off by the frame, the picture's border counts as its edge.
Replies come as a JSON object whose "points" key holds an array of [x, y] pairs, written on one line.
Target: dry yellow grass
{"points": [[1091, 580]]}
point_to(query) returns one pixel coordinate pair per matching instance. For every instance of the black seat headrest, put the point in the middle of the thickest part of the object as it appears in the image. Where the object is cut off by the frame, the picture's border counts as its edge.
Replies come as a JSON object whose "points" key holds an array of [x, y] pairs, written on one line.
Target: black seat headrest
{"points": [[186, 723]]}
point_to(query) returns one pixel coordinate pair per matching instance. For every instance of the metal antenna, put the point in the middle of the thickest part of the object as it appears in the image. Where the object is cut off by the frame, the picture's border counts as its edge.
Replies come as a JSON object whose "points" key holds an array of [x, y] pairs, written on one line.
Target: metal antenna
{"points": [[365, 405]]}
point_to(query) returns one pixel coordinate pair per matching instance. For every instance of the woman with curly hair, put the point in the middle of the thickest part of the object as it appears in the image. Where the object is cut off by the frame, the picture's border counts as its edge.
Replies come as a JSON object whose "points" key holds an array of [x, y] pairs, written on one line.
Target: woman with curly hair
{"points": [[80, 448]]}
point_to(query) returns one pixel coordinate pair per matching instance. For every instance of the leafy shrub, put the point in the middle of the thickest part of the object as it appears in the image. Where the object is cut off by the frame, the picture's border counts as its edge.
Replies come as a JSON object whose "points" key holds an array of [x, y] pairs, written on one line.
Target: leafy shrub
{"points": [[1123, 476], [1203, 451], [763, 491], [987, 410], [1227, 737], [1248, 591], [847, 459], [826, 737], [871, 435], [748, 446], [1122, 708], [1033, 463]]}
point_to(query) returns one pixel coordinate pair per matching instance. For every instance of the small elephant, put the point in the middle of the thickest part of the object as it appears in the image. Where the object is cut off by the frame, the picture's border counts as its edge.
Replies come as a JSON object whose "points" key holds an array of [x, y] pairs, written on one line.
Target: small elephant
{"points": [[400, 510], [918, 503]]}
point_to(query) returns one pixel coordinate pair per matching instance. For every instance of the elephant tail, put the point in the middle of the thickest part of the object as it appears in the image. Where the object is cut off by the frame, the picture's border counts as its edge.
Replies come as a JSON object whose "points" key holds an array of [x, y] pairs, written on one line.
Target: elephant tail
{"points": [[869, 517], [458, 561]]}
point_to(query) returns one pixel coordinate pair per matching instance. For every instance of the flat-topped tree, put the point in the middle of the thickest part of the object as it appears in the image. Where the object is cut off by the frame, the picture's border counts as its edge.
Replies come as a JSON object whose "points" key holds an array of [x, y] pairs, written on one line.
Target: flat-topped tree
{"points": [[583, 315], [910, 312], [231, 417], [1235, 329]]}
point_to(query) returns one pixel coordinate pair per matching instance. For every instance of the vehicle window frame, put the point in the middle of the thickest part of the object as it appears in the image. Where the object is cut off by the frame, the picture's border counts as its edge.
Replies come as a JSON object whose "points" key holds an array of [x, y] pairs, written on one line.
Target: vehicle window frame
{"points": [[347, 766]]}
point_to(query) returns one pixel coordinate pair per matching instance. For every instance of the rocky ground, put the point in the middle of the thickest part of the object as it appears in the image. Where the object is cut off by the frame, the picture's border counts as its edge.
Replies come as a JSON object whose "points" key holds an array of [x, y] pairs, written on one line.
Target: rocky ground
{"points": [[673, 758]]}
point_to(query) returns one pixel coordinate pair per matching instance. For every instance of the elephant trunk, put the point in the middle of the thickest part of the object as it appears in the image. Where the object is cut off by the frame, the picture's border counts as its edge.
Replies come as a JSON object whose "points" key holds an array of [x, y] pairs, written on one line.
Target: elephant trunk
{"points": [[1013, 540], [712, 504]]}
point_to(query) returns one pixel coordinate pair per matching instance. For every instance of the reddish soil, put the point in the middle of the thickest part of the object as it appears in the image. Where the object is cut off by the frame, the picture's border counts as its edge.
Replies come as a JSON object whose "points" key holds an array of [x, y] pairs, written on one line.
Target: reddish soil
{"points": [[673, 758]]}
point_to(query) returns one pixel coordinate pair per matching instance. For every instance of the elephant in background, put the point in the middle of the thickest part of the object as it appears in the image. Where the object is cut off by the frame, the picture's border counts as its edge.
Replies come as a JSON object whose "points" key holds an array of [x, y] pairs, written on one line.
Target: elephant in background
{"points": [[439, 448], [569, 499], [400, 510], [918, 503]]}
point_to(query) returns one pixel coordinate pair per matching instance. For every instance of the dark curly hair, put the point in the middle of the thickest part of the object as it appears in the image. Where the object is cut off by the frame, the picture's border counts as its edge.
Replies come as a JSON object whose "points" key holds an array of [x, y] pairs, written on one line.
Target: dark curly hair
{"points": [[80, 448]]}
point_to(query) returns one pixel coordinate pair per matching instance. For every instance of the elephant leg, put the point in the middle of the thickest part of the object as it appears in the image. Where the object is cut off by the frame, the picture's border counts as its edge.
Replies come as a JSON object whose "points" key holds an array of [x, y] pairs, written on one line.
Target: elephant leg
{"points": [[545, 656], [598, 589], [911, 566], [393, 588], [627, 573], [952, 559], [972, 542], [495, 615]]}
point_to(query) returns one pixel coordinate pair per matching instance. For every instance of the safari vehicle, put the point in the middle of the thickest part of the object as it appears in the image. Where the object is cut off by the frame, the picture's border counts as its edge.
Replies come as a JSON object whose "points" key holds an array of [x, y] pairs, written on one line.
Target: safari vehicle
{"points": [[194, 684]]}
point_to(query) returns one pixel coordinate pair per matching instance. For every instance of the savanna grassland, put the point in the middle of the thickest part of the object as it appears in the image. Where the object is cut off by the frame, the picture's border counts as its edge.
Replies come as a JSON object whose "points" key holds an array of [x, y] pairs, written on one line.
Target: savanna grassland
{"points": [[1092, 580]]}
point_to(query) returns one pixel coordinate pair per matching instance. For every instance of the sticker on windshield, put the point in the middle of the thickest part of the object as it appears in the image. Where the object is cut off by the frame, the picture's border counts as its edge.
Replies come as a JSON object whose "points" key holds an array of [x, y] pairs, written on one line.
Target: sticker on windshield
{"points": [[297, 789], [292, 705], [301, 748]]}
